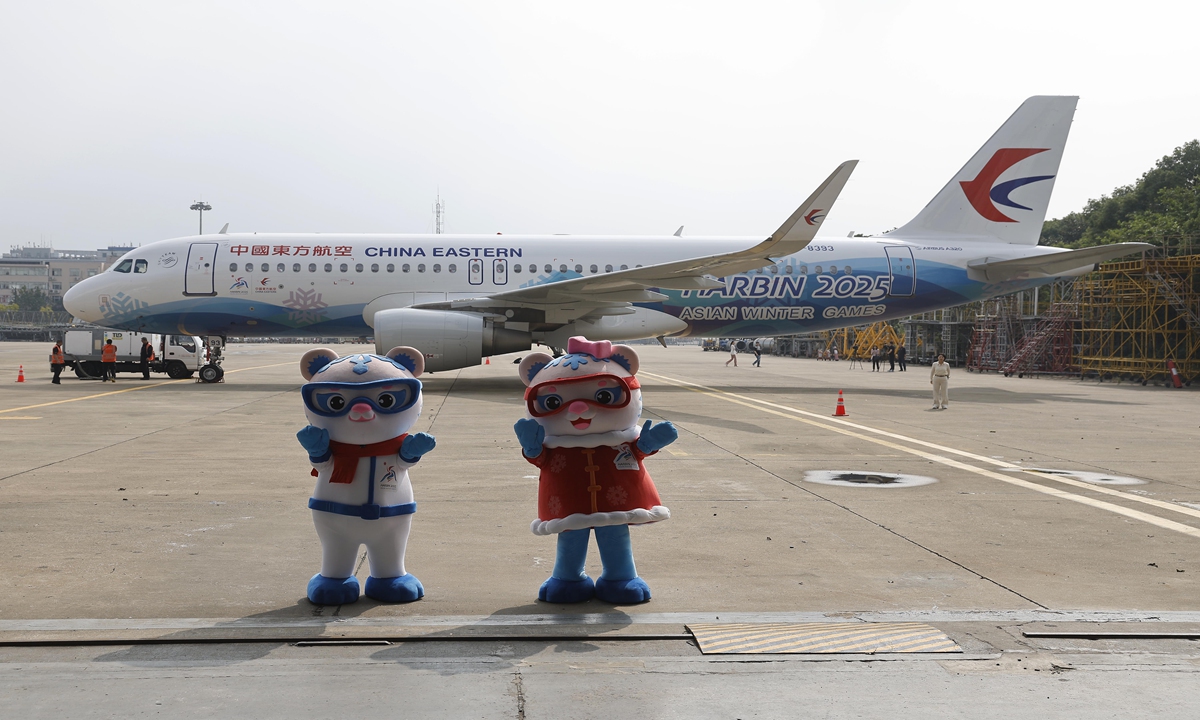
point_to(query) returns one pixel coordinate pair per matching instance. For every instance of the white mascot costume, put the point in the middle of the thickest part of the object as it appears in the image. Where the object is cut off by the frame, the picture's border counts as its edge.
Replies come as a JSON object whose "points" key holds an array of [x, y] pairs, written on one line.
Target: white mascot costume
{"points": [[360, 408], [582, 432]]}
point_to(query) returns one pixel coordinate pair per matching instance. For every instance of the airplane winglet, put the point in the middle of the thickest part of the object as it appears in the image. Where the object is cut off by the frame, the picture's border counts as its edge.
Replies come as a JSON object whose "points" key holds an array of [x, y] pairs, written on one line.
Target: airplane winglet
{"points": [[224, 230], [799, 229], [679, 232]]}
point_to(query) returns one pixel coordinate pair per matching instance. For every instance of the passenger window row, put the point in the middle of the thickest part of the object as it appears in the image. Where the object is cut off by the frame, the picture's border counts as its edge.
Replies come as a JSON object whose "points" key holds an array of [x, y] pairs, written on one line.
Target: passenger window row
{"points": [[359, 267], [143, 265]]}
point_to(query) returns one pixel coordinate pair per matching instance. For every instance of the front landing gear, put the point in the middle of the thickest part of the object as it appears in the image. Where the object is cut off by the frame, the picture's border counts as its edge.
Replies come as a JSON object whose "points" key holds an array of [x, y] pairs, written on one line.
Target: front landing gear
{"points": [[211, 374]]}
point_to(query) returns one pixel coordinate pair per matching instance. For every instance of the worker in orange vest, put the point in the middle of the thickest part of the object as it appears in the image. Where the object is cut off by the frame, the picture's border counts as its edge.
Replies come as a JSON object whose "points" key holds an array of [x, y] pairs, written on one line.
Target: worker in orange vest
{"points": [[147, 357], [108, 359], [57, 361]]}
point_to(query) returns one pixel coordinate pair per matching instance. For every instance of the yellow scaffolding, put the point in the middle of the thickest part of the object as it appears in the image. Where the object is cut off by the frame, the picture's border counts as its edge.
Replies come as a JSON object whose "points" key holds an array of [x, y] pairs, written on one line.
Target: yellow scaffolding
{"points": [[856, 342], [1137, 315], [873, 335]]}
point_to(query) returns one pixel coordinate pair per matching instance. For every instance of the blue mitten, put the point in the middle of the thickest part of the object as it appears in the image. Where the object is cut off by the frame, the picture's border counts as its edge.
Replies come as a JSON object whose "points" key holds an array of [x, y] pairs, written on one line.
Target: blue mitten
{"points": [[416, 445], [316, 441], [530, 434], [656, 438]]}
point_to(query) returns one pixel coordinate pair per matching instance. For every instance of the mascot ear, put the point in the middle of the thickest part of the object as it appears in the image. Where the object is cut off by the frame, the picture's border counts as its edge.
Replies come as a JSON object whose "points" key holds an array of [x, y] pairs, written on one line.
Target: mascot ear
{"points": [[625, 357], [531, 365], [313, 360], [410, 358]]}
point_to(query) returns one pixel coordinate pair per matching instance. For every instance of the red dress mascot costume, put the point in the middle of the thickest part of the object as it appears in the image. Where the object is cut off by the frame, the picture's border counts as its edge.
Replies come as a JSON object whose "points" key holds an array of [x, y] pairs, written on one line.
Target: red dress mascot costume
{"points": [[582, 433]]}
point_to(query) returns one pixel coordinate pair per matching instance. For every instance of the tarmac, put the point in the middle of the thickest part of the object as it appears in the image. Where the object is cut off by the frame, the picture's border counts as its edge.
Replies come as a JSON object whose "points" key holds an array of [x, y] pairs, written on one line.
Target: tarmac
{"points": [[157, 544]]}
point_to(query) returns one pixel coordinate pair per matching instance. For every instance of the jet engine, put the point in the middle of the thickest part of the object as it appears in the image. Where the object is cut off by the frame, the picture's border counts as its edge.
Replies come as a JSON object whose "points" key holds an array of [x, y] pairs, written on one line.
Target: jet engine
{"points": [[449, 340]]}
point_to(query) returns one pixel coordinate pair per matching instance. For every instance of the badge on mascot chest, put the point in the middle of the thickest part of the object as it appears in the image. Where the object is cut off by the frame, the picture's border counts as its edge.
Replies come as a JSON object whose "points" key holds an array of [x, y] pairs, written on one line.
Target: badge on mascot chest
{"points": [[625, 459]]}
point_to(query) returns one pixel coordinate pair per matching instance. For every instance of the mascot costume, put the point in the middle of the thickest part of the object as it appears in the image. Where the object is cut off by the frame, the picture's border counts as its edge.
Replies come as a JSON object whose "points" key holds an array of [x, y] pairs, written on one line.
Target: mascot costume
{"points": [[360, 408], [582, 432]]}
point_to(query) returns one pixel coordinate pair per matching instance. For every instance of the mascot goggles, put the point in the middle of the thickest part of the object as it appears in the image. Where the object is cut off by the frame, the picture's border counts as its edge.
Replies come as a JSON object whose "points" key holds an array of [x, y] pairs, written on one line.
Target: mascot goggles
{"points": [[554, 396], [334, 399]]}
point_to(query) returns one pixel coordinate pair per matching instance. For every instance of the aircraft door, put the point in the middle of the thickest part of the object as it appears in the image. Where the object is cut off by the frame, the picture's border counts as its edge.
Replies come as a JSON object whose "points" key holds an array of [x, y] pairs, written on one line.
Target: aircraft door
{"points": [[199, 276], [475, 271], [500, 271], [903, 270]]}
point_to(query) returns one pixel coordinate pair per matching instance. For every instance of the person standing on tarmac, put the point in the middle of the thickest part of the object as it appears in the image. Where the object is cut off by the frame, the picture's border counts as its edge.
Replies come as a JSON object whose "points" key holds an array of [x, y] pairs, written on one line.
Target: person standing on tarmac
{"points": [[108, 360], [57, 361], [147, 357], [900, 353], [757, 354], [891, 356], [939, 377], [874, 358], [732, 354]]}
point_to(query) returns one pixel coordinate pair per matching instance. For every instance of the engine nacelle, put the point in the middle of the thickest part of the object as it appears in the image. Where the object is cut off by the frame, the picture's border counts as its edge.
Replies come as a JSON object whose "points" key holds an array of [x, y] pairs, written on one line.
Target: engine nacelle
{"points": [[449, 340]]}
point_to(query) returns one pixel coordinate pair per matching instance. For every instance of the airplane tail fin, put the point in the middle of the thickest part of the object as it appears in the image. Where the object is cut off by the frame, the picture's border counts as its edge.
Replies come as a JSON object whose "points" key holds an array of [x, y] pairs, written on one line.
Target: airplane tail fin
{"points": [[1001, 194]]}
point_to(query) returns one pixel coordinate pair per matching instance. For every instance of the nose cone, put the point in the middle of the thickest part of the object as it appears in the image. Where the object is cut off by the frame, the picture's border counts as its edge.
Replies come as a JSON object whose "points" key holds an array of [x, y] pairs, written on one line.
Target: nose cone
{"points": [[83, 300]]}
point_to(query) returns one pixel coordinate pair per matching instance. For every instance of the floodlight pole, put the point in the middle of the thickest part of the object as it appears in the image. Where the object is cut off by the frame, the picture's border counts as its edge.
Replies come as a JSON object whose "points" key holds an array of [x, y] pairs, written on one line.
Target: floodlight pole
{"points": [[201, 206]]}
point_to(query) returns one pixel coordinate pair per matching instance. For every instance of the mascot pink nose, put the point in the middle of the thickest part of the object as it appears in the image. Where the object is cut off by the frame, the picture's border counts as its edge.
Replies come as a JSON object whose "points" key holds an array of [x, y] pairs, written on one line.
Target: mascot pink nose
{"points": [[361, 412], [578, 407]]}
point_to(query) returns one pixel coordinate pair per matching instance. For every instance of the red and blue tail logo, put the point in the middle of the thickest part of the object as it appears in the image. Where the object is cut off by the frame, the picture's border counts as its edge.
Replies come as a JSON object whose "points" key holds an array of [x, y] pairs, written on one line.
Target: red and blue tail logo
{"points": [[983, 192]]}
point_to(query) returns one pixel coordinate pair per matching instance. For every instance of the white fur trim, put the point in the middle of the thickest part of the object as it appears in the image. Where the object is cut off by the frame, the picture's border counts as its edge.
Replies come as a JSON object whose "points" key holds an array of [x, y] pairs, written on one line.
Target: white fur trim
{"points": [[611, 438], [579, 521]]}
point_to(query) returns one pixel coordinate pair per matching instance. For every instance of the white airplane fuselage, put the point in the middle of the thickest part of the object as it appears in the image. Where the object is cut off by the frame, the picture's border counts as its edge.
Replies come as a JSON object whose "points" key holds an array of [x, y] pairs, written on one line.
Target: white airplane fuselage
{"points": [[319, 285]]}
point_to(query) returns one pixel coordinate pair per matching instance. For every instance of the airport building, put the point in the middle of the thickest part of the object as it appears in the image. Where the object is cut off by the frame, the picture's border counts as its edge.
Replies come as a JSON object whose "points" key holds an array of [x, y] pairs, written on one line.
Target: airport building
{"points": [[53, 271]]}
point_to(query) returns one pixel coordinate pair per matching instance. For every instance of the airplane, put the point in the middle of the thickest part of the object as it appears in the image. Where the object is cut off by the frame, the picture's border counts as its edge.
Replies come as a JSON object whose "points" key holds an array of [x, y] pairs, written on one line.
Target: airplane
{"points": [[458, 298]]}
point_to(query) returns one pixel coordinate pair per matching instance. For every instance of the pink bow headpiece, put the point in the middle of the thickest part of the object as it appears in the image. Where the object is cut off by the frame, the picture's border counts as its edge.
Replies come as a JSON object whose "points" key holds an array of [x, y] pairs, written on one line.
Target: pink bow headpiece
{"points": [[599, 350]]}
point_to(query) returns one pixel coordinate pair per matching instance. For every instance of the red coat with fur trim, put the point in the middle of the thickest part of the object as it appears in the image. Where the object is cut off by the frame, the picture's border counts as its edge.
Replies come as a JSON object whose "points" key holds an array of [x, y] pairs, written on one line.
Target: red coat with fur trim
{"points": [[601, 486]]}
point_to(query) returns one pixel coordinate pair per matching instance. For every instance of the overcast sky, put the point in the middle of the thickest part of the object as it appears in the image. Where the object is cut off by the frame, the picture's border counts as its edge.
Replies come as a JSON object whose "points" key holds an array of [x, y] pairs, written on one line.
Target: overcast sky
{"points": [[554, 117]]}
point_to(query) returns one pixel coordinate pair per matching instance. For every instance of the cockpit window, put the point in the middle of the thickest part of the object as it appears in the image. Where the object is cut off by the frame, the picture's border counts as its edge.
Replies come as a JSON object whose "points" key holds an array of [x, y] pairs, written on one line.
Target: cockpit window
{"points": [[140, 266], [124, 266]]}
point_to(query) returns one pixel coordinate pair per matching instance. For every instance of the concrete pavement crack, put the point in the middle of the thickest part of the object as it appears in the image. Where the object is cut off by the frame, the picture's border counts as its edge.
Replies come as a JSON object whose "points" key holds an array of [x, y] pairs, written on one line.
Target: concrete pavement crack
{"points": [[519, 687], [445, 397]]}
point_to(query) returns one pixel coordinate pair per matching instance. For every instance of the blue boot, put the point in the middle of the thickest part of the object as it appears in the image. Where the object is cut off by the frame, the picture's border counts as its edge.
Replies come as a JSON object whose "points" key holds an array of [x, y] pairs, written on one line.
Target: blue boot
{"points": [[569, 583], [332, 591], [619, 583], [405, 588]]}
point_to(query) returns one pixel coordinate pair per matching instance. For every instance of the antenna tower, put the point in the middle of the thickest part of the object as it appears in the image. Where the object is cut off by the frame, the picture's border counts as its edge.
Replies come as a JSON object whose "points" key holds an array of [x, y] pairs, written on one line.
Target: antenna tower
{"points": [[439, 214]]}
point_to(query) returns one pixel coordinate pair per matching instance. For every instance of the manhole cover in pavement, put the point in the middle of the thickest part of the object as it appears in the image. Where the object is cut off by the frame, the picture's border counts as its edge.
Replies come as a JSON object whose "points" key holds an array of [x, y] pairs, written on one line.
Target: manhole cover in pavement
{"points": [[859, 478]]}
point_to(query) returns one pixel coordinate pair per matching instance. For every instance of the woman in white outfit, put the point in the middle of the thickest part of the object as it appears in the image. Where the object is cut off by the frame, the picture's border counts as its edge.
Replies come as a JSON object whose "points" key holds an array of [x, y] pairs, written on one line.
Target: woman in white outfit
{"points": [[939, 377]]}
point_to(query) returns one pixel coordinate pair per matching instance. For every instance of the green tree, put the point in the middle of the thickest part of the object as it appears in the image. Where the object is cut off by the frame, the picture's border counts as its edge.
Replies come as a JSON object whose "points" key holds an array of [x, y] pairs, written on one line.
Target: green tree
{"points": [[30, 298], [1165, 201]]}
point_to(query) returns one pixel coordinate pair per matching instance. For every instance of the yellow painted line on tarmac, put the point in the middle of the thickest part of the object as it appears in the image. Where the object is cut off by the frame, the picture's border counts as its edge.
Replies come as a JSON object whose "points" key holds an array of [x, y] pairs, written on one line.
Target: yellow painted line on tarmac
{"points": [[21, 417], [133, 389], [825, 424]]}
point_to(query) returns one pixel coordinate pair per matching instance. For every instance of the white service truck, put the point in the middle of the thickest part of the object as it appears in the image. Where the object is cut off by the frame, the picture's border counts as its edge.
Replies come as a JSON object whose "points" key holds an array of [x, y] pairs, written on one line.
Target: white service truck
{"points": [[179, 356]]}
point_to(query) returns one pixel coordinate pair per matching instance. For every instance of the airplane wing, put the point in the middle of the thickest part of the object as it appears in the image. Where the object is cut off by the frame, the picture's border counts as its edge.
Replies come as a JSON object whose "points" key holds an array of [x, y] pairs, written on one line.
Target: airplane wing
{"points": [[590, 295], [995, 270]]}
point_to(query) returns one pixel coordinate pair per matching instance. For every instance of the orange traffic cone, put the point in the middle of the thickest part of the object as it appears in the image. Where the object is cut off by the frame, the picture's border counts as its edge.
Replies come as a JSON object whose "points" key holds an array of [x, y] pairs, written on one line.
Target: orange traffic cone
{"points": [[487, 360], [21, 374], [841, 407]]}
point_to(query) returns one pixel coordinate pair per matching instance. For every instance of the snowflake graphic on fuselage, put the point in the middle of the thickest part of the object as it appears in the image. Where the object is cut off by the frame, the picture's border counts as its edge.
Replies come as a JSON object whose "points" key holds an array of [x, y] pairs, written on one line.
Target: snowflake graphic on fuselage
{"points": [[121, 305], [306, 307]]}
